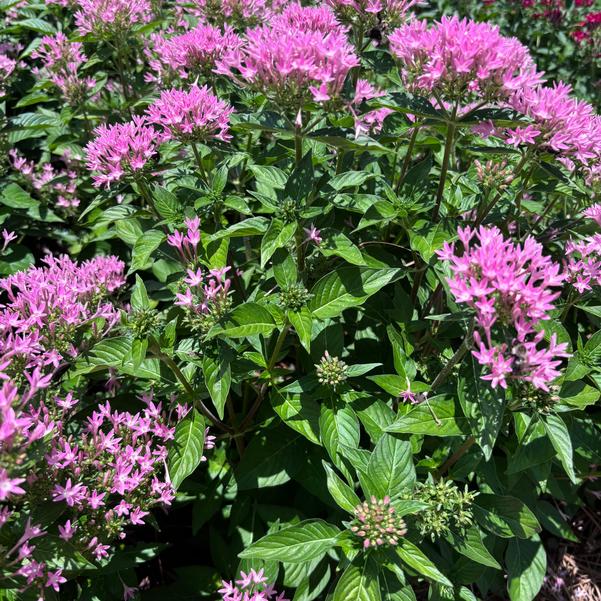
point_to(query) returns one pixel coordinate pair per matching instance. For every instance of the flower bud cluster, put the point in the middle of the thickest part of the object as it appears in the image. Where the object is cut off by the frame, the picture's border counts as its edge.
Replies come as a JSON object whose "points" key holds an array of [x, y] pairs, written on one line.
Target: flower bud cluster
{"points": [[377, 524], [331, 371]]}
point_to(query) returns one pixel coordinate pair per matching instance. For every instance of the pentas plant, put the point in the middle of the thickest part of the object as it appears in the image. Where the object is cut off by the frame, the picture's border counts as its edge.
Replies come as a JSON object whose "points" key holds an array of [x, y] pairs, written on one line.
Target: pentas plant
{"points": [[297, 301]]}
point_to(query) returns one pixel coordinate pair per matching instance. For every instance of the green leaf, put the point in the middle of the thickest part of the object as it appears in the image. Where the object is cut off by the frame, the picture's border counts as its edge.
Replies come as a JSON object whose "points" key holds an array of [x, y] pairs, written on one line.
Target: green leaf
{"points": [[350, 179], [297, 411], [336, 427], [417, 561], [218, 379], [139, 296], [295, 544], [505, 516], [526, 567], [300, 183], [341, 492], [302, 322], [559, 436], [15, 197], [284, 269], [15, 258], [145, 245], [167, 204], [337, 244], [426, 238], [348, 287], [390, 471], [359, 582], [440, 416], [484, 407], [276, 236], [470, 544], [272, 458], [248, 319], [185, 452], [553, 521], [254, 226]]}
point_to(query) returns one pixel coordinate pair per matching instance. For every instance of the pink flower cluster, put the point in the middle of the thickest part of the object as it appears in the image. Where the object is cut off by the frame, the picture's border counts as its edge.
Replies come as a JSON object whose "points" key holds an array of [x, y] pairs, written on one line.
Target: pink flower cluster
{"points": [[510, 288], [7, 66], [560, 123], [121, 150], [53, 185], [583, 264], [193, 116], [373, 13], [46, 307], [203, 293], [250, 587], [239, 13], [460, 61], [190, 54], [62, 59], [303, 54], [588, 32], [111, 18]]}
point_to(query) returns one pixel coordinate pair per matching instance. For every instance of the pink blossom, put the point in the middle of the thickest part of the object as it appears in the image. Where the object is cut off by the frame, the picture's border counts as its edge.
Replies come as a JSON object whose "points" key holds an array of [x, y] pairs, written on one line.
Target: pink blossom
{"points": [[302, 55], [55, 579], [507, 286], [111, 18], [9, 486], [196, 115], [120, 151], [462, 61]]}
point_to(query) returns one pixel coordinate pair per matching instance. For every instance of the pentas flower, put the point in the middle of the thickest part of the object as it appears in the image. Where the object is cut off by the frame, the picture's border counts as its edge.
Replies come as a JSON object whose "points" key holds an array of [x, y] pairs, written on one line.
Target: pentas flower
{"points": [[46, 306], [193, 116], [460, 61], [239, 13], [370, 14], [55, 186], [7, 66], [121, 151], [510, 288], [251, 586], [583, 263], [204, 295], [111, 18], [593, 212], [293, 64], [562, 124], [189, 55]]}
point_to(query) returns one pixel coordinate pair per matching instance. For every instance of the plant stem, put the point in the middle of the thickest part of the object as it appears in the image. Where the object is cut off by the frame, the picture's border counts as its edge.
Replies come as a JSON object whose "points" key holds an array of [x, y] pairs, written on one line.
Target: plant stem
{"points": [[407, 160], [445, 163], [456, 456], [270, 365], [201, 169], [172, 365], [298, 145], [456, 358]]}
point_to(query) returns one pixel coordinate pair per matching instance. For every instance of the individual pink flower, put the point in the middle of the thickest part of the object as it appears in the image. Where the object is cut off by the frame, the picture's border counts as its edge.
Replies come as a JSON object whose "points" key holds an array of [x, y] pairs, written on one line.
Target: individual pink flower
{"points": [[9, 486], [456, 60], [67, 531], [120, 151], [55, 579], [193, 116], [8, 237], [593, 212]]}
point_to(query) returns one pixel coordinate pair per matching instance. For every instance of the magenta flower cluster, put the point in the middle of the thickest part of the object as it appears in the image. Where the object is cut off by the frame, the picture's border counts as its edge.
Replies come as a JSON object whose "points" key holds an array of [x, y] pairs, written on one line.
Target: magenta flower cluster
{"points": [[111, 18], [511, 289], [562, 124], [191, 116], [189, 54], [46, 306], [57, 186], [250, 587], [301, 55], [458, 61], [121, 150], [61, 61], [241, 13], [203, 293]]}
